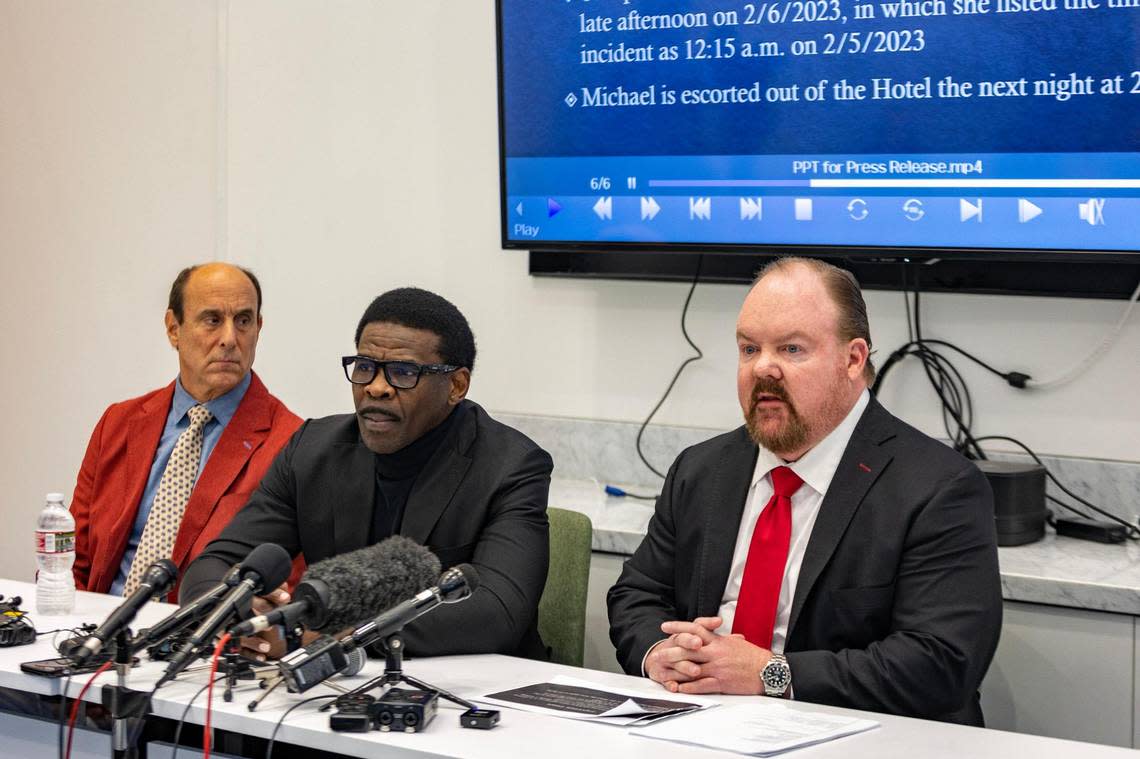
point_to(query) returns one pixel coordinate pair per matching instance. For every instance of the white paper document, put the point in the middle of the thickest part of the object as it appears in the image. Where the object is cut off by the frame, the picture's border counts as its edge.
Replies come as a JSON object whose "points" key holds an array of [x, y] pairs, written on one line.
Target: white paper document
{"points": [[758, 729], [580, 699]]}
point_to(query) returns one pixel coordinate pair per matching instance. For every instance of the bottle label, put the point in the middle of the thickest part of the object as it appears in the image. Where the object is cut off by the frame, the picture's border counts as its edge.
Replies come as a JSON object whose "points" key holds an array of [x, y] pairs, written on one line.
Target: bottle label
{"points": [[53, 541]]}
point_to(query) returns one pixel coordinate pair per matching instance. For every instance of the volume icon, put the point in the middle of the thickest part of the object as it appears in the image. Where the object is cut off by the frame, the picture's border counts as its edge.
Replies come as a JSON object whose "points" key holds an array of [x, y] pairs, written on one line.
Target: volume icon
{"points": [[1092, 211]]}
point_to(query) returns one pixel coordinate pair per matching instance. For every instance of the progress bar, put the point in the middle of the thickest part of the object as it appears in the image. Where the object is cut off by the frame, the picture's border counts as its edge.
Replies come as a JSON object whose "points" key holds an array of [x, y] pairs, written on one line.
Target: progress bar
{"points": [[1061, 184]]}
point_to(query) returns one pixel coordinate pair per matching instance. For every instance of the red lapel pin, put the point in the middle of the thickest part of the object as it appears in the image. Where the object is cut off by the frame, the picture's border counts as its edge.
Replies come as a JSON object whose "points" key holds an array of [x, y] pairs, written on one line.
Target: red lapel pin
{"points": [[864, 467]]}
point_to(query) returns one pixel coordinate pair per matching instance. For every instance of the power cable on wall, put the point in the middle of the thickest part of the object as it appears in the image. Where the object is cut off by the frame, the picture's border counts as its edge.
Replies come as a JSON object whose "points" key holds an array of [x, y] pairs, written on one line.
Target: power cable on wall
{"points": [[699, 355]]}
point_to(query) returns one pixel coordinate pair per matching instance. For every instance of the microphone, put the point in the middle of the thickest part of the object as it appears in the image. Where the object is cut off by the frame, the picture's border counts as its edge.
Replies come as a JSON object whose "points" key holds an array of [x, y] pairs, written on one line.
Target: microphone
{"points": [[339, 592], [156, 581], [455, 585], [266, 567], [188, 614], [327, 656], [310, 610]]}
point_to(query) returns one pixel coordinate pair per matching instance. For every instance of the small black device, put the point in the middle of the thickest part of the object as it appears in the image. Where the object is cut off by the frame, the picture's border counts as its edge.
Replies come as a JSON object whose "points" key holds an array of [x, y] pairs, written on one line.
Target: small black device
{"points": [[408, 710], [313, 664], [15, 630], [64, 667], [480, 719], [1019, 500], [166, 647], [354, 713], [1092, 529]]}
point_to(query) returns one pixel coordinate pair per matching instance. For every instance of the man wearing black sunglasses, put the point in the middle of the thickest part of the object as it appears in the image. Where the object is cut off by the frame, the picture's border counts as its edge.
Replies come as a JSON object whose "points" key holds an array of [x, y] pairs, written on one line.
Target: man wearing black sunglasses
{"points": [[416, 459]]}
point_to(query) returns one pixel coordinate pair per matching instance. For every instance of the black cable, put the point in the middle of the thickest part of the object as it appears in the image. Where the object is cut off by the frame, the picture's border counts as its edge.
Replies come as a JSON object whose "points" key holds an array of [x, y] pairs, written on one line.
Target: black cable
{"points": [[1064, 505], [681, 368], [917, 312], [1014, 379], [281, 720], [1133, 530], [186, 711], [906, 304]]}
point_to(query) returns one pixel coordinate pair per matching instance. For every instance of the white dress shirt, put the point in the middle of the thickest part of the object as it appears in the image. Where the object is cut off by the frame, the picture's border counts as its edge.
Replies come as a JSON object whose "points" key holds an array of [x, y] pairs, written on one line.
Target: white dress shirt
{"points": [[816, 468]]}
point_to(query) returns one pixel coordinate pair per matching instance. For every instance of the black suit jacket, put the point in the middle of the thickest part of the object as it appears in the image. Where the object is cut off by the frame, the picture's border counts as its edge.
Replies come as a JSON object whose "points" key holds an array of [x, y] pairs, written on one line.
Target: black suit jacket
{"points": [[480, 499], [898, 604]]}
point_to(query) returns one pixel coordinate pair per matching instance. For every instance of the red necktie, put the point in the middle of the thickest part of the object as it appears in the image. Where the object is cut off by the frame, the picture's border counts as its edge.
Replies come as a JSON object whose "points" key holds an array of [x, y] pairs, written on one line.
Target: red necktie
{"points": [[767, 554]]}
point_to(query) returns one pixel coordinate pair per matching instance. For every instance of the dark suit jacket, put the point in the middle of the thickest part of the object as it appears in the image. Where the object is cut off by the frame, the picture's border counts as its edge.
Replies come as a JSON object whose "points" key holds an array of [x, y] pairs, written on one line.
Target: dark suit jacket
{"points": [[480, 499], [118, 461], [898, 604]]}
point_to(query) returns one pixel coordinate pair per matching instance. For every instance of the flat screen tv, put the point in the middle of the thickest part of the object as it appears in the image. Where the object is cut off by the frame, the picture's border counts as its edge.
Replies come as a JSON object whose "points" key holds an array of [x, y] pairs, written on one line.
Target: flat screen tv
{"points": [[976, 132]]}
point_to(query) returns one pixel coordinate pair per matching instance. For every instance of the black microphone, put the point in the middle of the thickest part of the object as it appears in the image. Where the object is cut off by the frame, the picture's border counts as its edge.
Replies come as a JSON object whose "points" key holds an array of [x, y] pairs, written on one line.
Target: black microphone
{"points": [[266, 567], [310, 609], [156, 581], [340, 592], [327, 656], [455, 584], [188, 614]]}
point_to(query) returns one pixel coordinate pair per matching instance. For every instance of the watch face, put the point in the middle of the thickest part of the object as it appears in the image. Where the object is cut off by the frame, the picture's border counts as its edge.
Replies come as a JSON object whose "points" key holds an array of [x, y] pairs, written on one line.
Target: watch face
{"points": [[777, 676]]}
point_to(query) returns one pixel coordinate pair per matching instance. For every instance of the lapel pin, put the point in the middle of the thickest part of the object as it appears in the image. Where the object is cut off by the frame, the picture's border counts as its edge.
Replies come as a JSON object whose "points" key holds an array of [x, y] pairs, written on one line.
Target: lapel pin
{"points": [[249, 447], [864, 467]]}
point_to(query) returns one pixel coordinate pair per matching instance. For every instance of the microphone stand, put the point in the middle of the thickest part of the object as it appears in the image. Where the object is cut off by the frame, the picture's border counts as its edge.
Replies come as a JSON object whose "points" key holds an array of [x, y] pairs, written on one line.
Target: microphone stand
{"points": [[269, 684], [235, 667], [393, 647], [127, 707]]}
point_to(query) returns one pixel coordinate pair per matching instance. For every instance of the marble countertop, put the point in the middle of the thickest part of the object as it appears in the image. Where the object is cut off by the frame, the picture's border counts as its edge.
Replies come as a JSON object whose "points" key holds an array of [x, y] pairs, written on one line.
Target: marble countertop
{"points": [[1055, 571]]}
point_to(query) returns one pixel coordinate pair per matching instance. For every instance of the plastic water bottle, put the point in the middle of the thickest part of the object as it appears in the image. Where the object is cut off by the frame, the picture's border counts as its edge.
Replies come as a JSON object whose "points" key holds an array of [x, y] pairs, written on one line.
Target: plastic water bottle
{"points": [[55, 553]]}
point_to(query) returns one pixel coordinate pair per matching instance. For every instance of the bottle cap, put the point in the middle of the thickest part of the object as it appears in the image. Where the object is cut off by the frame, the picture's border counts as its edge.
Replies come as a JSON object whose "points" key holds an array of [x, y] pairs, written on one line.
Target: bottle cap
{"points": [[55, 497]]}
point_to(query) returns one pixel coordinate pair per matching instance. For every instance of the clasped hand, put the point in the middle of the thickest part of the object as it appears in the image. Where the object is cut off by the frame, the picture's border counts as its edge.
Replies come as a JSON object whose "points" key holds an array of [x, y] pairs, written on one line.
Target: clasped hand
{"points": [[695, 659]]}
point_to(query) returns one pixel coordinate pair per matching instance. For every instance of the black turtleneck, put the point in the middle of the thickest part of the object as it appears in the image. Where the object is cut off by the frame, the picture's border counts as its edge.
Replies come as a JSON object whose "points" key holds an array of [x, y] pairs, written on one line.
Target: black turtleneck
{"points": [[396, 473]]}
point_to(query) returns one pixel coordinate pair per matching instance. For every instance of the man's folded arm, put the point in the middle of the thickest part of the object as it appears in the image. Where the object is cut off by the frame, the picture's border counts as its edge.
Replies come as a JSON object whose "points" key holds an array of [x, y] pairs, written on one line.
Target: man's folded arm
{"points": [[268, 517], [511, 557], [644, 595], [946, 617]]}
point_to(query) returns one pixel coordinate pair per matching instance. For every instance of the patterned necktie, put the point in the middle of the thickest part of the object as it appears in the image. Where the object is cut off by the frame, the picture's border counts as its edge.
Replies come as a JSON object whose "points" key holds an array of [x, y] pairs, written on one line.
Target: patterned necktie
{"points": [[767, 555], [157, 541]]}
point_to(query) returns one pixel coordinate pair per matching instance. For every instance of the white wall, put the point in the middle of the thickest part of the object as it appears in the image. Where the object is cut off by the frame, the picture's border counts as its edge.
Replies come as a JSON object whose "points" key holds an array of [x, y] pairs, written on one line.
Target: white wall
{"points": [[341, 149]]}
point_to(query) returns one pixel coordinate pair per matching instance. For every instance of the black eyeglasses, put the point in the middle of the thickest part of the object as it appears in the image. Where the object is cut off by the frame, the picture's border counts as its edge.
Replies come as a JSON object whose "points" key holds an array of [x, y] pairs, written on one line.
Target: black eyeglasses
{"points": [[361, 370]]}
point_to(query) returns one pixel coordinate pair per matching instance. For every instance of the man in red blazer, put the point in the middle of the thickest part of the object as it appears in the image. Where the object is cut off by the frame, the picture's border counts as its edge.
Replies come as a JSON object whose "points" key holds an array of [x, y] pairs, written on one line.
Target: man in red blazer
{"points": [[213, 321]]}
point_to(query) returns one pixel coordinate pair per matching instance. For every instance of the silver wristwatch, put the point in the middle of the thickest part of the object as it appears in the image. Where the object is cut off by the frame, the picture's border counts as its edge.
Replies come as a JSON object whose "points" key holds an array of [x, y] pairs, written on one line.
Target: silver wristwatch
{"points": [[776, 676]]}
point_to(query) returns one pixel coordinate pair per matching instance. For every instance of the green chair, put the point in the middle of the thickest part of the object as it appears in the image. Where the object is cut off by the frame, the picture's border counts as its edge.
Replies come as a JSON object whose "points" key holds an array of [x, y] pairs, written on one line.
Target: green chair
{"points": [[562, 610]]}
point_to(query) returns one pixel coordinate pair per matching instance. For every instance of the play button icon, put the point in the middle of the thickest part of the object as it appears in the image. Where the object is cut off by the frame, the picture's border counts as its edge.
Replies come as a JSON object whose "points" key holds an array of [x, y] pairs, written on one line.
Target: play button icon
{"points": [[1027, 211], [552, 208], [968, 210]]}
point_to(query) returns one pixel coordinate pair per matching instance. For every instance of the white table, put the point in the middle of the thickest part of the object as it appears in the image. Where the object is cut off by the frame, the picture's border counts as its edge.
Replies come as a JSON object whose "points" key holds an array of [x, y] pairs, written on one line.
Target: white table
{"points": [[519, 733]]}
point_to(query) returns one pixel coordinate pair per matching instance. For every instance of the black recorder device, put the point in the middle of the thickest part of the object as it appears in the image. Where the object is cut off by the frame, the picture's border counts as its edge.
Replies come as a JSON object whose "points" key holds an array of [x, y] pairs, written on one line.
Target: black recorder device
{"points": [[406, 710], [399, 709]]}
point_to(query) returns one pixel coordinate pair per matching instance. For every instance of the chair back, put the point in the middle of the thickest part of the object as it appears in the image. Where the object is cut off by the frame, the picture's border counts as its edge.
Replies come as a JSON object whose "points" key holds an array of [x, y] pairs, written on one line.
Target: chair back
{"points": [[562, 609]]}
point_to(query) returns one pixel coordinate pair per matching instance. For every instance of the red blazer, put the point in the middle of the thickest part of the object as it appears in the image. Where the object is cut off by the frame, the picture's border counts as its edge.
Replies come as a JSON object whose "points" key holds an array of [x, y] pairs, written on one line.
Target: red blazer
{"points": [[118, 461]]}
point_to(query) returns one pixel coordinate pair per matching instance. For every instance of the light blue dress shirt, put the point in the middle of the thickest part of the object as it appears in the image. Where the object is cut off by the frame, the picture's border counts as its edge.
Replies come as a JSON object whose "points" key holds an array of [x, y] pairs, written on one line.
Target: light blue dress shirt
{"points": [[223, 408]]}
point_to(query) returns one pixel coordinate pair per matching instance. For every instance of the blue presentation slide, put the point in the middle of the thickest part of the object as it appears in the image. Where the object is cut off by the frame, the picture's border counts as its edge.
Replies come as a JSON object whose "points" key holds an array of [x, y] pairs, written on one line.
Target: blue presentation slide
{"points": [[1008, 124]]}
